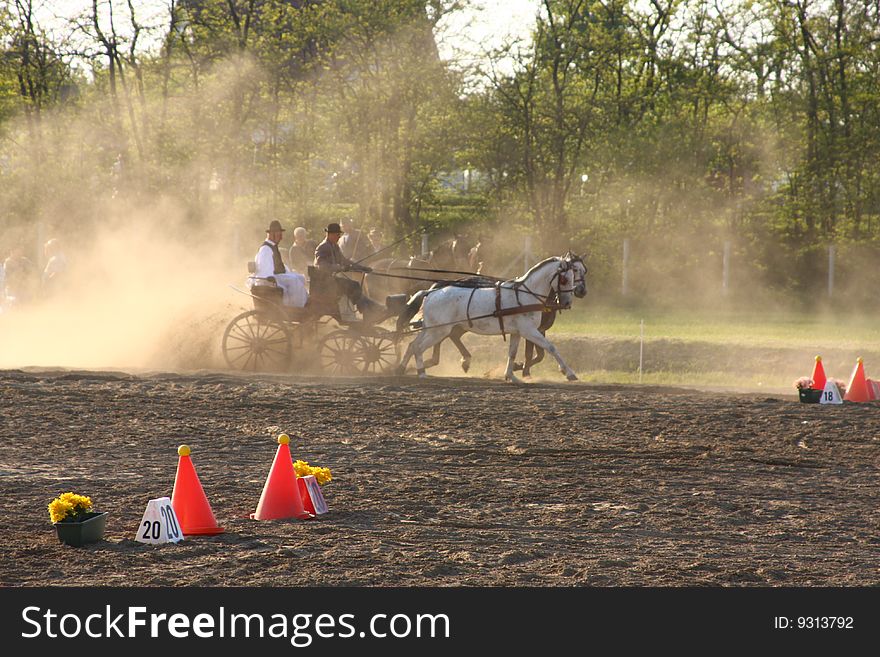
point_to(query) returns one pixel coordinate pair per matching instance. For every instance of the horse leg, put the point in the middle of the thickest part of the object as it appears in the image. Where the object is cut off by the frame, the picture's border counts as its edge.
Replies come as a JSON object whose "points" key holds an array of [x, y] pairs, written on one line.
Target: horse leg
{"points": [[527, 365], [401, 369], [435, 357], [534, 355], [455, 336], [511, 354], [428, 338], [540, 341]]}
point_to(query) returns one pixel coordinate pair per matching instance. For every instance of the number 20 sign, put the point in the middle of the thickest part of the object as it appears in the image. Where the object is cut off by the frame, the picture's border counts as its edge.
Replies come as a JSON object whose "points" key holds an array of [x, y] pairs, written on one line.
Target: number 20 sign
{"points": [[159, 524]]}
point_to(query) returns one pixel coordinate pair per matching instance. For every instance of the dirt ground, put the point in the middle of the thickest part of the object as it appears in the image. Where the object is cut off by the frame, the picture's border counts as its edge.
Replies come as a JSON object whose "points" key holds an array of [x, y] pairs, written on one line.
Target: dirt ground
{"points": [[445, 482]]}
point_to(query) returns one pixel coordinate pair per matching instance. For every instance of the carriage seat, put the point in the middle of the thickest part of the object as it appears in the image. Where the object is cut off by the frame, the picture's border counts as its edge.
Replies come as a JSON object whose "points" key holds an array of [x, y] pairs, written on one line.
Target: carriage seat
{"points": [[323, 293], [395, 303], [267, 298]]}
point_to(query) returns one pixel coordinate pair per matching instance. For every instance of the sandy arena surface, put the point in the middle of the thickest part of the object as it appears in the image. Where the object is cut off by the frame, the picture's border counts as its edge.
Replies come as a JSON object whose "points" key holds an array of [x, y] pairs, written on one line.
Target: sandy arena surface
{"points": [[445, 482]]}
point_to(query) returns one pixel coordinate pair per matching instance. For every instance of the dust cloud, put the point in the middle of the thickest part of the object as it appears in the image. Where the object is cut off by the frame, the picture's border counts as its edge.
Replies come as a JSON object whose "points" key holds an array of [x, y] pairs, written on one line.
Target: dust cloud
{"points": [[131, 297], [153, 242], [142, 206]]}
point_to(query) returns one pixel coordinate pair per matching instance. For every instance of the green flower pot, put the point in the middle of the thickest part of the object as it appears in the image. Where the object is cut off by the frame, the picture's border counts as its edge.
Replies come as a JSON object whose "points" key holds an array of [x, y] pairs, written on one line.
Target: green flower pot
{"points": [[90, 530], [809, 395]]}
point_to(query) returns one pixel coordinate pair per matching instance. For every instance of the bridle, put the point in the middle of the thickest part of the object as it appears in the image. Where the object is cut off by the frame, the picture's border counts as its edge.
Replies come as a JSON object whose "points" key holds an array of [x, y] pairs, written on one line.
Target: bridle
{"points": [[561, 277]]}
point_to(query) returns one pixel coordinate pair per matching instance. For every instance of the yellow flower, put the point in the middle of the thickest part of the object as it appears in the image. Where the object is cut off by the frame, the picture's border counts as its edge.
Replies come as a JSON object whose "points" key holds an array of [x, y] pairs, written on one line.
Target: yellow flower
{"points": [[322, 475], [58, 510], [69, 506], [303, 469]]}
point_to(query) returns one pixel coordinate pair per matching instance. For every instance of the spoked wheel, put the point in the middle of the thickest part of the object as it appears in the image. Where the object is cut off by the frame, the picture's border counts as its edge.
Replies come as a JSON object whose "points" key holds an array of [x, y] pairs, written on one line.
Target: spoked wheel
{"points": [[256, 343], [377, 354], [337, 352]]}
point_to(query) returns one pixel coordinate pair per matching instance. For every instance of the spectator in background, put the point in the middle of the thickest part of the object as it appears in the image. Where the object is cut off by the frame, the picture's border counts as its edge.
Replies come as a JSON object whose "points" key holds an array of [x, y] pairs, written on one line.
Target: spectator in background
{"points": [[475, 256], [354, 244], [377, 242], [22, 279], [302, 251], [56, 265]]}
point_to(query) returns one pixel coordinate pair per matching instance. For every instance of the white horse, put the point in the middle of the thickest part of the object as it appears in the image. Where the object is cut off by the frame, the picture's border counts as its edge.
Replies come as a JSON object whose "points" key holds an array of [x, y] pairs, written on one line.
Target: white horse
{"points": [[513, 307]]}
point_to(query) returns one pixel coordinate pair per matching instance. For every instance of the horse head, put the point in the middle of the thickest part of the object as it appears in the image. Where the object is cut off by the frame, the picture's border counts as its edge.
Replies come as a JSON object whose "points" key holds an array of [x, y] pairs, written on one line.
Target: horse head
{"points": [[579, 275], [571, 277]]}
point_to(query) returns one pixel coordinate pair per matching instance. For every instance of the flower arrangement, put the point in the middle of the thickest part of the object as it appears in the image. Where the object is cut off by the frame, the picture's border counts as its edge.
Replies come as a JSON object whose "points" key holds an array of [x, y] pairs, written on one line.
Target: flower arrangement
{"points": [[70, 507], [303, 469], [803, 383]]}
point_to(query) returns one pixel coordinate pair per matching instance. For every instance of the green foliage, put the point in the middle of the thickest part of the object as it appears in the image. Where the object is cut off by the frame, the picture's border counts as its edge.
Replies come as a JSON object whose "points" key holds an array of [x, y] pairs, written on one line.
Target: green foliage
{"points": [[753, 123]]}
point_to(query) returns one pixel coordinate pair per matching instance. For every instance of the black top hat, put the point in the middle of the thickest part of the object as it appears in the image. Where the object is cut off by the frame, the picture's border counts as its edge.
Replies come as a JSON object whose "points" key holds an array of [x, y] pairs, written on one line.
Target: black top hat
{"points": [[333, 228], [275, 227]]}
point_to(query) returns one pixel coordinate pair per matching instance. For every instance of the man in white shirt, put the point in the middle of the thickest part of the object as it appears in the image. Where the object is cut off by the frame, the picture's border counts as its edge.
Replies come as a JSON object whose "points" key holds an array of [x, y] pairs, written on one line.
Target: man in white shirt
{"points": [[269, 266]]}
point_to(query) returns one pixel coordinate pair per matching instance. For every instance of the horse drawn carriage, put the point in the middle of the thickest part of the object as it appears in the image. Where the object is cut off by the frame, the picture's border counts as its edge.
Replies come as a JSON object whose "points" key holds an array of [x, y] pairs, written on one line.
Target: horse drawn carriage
{"points": [[267, 337], [271, 337]]}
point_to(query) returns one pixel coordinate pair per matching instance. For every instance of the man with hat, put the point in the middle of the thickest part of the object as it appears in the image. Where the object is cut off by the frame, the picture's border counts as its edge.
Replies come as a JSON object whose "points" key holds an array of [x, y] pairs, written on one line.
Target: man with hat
{"points": [[329, 258], [269, 267]]}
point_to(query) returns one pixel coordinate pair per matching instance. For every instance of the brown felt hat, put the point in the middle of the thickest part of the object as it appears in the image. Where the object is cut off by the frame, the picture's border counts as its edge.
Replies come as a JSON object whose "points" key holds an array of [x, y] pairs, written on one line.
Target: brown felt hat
{"points": [[275, 227], [333, 228]]}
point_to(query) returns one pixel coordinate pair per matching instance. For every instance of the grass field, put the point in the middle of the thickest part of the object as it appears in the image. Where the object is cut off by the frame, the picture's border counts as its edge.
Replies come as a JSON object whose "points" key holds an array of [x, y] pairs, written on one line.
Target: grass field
{"points": [[788, 329], [724, 349]]}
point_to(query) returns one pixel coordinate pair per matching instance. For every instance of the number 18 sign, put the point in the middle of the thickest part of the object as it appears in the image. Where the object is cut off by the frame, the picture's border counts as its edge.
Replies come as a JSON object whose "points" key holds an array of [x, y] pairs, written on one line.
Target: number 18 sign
{"points": [[159, 524]]}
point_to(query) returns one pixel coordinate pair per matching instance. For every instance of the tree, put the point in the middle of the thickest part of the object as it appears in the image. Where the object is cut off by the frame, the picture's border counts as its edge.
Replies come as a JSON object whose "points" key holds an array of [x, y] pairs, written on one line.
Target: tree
{"points": [[552, 104]]}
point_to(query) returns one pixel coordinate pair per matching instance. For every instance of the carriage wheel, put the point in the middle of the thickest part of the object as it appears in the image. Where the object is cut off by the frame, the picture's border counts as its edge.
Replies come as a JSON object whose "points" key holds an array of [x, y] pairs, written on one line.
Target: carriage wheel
{"points": [[256, 343], [337, 352], [377, 354]]}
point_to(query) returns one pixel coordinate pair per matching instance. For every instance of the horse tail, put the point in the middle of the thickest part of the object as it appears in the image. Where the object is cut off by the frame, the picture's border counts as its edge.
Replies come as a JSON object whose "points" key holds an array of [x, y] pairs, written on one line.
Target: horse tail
{"points": [[410, 310]]}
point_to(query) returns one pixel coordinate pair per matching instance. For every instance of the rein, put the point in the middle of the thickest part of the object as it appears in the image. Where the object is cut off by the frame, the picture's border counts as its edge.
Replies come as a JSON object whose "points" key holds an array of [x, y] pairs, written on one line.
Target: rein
{"points": [[516, 310], [451, 271], [408, 278]]}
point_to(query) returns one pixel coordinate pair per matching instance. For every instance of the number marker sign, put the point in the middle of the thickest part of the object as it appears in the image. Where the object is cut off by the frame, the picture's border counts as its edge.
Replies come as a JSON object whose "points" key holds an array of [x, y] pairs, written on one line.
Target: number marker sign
{"points": [[312, 497], [159, 524], [830, 394]]}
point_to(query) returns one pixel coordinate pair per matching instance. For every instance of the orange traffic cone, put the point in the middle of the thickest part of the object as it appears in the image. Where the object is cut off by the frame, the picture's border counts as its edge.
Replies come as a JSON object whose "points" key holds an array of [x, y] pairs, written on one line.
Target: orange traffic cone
{"points": [[818, 375], [188, 499], [857, 390], [281, 498]]}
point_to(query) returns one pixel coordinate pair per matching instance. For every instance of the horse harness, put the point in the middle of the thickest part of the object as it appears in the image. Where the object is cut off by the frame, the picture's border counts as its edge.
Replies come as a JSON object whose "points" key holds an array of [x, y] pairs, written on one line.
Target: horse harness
{"points": [[545, 306]]}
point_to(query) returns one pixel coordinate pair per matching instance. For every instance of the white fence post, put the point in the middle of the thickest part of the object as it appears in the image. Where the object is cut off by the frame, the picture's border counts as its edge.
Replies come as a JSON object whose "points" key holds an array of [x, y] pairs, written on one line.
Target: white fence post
{"points": [[527, 253], [725, 269], [624, 289], [641, 347], [41, 240], [424, 244], [236, 243], [830, 271]]}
